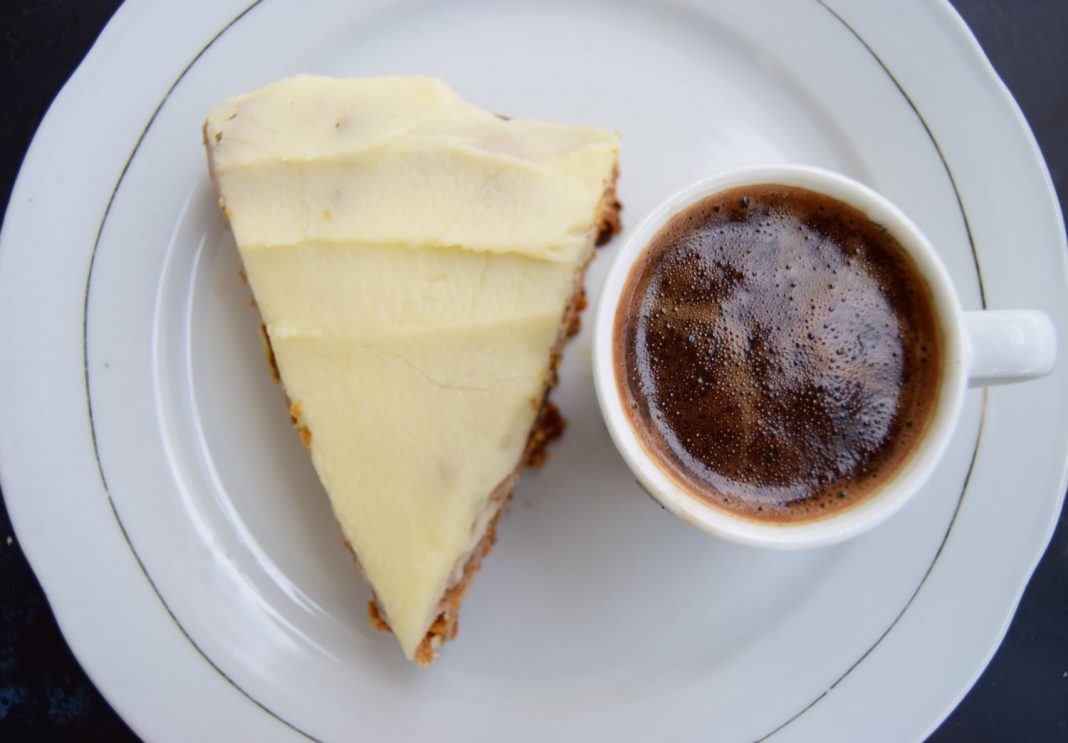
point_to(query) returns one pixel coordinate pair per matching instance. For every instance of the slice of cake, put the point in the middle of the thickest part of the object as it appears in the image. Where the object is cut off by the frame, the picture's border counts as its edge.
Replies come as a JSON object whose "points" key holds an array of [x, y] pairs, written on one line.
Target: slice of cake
{"points": [[418, 263]]}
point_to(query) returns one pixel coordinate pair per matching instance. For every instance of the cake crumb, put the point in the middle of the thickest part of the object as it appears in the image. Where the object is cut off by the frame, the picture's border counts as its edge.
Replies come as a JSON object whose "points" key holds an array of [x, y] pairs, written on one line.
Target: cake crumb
{"points": [[268, 355], [294, 417], [549, 426], [377, 621]]}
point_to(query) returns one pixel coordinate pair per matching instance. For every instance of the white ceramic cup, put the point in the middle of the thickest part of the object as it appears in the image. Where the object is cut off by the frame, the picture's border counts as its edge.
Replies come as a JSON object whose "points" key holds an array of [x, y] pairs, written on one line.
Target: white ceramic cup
{"points": [[980, 348]]}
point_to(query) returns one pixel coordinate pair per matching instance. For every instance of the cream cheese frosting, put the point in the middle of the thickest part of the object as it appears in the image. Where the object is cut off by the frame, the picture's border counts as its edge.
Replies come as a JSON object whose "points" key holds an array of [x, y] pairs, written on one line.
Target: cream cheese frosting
{"points": [[412, 257]]}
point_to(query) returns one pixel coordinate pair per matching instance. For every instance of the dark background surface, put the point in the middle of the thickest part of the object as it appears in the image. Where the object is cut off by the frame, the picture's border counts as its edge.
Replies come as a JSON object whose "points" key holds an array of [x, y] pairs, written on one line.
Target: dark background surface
{"points": [[44, 694]]}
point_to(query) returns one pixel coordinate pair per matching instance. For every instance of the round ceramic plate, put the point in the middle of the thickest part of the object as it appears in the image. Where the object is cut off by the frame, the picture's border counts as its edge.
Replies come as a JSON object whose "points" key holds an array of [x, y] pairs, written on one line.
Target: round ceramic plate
{"points": [[178, 527]]}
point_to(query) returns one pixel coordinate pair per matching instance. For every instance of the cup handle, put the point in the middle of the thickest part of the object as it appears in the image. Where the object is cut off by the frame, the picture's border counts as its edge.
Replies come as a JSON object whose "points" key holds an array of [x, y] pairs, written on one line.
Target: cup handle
{"points": [[1008, 346]]}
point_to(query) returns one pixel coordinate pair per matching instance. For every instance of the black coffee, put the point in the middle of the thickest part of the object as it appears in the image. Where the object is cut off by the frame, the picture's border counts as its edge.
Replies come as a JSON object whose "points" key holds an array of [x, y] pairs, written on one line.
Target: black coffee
{"points": [[779, 351]]}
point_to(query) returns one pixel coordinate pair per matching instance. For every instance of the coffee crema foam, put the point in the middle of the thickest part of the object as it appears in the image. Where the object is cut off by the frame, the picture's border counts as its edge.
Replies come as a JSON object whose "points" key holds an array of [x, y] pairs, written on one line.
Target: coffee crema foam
{"points": [[779, 351]]}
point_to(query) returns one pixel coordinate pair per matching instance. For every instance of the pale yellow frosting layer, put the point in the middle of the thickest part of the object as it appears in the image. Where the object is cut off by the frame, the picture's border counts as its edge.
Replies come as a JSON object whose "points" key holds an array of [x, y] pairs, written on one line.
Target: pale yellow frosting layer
{"points": [[412, 257], [453, 176]]}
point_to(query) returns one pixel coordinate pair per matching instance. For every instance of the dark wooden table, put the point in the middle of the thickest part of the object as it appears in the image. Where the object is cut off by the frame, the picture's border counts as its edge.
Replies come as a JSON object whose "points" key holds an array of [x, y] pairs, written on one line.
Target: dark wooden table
{"points": [[45, 695]]}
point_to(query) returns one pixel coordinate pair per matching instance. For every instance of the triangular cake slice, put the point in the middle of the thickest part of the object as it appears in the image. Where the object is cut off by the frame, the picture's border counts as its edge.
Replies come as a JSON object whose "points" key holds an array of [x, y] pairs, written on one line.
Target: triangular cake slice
{"points": [[417, 262]]}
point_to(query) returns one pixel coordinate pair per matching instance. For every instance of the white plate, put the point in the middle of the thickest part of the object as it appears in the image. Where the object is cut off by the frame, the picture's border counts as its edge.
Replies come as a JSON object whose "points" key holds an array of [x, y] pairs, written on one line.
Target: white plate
{"points": [[180, 533]]}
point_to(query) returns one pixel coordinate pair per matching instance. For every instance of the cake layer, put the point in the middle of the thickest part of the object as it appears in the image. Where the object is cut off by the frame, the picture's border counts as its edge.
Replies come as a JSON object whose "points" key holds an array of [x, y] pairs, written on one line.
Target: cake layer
{"points": [[442, 415], [357, 294], [456, 176]]}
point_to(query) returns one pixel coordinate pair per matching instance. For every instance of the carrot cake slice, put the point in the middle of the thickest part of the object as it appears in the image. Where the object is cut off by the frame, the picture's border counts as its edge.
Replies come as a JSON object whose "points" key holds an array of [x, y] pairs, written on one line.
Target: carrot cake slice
{"points": [[417, 262]]}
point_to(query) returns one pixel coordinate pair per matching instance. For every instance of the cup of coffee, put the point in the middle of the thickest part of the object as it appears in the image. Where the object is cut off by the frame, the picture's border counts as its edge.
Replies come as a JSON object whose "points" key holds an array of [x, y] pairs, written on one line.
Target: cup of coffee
{"points": [[781, 358]]}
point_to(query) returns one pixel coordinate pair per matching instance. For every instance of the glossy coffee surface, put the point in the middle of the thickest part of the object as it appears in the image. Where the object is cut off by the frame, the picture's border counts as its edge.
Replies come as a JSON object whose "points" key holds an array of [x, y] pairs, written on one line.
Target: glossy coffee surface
{"points": [[778, 351]]}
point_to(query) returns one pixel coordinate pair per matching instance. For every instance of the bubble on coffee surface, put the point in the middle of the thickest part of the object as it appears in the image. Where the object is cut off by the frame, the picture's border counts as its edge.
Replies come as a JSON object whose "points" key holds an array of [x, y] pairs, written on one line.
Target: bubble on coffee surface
{"points": [[776, 347]]}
